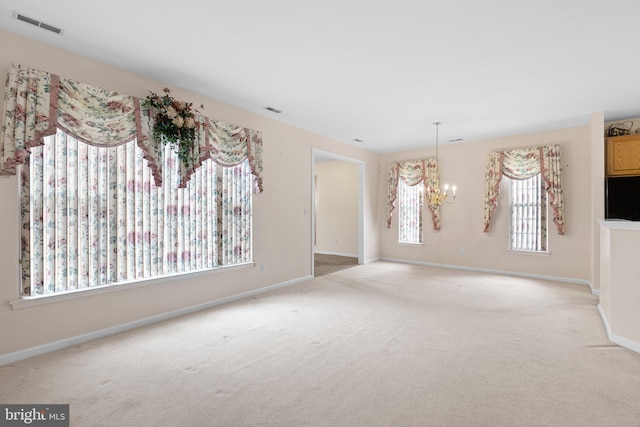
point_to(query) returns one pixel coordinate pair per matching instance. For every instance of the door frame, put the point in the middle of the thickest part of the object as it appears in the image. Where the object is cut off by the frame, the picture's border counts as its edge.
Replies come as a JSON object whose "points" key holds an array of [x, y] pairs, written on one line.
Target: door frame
{"points": [[318, 155]]}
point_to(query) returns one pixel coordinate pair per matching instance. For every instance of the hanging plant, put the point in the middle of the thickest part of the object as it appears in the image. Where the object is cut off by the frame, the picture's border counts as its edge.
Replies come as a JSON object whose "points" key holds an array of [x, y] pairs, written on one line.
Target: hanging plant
{"points": [[175, 123]]}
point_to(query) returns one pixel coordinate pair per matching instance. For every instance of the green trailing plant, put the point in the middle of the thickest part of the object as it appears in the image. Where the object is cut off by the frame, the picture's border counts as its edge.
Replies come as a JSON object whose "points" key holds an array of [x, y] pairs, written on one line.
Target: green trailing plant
{"points": [[175, 123]]}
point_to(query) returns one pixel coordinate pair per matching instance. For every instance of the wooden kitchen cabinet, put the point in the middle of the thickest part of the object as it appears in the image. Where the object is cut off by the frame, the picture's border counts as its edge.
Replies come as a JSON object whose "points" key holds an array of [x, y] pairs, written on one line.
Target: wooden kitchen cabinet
{"points": [[623, 155]]}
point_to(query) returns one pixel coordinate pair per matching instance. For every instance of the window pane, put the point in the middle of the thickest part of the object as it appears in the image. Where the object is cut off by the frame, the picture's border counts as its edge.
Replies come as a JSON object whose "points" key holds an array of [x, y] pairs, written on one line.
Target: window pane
{"points": [[410, 212], [528, 215]]}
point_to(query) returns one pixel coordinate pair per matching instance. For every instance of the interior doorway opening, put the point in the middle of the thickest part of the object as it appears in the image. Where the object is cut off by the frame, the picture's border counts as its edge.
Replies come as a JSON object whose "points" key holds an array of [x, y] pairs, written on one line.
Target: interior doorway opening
{"points": [[337, 211]]}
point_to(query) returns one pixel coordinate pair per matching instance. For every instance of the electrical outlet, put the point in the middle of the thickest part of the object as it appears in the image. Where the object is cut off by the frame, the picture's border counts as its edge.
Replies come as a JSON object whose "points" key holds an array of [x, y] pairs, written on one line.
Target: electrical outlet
{"points": [[461, 251], [261, 268]]}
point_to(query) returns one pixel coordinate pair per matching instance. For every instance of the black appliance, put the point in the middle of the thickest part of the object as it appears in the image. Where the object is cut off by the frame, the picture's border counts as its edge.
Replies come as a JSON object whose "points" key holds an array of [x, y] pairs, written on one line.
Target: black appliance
{"points": [[622, 198]]}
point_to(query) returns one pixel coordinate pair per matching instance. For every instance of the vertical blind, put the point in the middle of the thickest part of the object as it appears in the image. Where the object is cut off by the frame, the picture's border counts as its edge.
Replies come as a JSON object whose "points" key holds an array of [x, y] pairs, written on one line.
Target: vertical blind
{"points": [[410, 212], [528, 215], [93, 216]]}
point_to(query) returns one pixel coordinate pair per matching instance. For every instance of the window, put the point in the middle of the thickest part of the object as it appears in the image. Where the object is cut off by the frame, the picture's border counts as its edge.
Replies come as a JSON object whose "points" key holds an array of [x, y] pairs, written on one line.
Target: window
{"points": [[410, 212], [528, 215], [93, 217]]}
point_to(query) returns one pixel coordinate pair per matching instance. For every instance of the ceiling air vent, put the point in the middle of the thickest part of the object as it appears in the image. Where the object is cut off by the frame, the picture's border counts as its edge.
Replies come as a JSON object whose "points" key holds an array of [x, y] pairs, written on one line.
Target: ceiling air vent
{"points": [[273, 110], [37, 23]]}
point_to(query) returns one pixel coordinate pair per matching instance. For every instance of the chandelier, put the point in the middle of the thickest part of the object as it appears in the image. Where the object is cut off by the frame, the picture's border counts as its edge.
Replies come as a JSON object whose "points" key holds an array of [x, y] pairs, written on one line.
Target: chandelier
{"points": [[436, 197]]}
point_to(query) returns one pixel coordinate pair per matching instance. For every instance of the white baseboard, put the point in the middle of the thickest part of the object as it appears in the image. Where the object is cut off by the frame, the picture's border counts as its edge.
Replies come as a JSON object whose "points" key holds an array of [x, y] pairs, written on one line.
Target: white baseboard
{"points": [[67, 342], [604, 321], [621, 341], [335, 253], [491, 271]]}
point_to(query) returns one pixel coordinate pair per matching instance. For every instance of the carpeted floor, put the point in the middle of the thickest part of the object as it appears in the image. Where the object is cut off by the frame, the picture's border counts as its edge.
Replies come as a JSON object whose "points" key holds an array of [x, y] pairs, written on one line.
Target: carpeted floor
{"points": [[326, 264], [381, 344]]}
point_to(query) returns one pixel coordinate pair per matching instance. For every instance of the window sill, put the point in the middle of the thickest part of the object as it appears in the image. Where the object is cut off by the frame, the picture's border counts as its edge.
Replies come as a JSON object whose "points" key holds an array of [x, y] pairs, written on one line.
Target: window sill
{"points": [[410, 244], [27, 302], [545, 253]]}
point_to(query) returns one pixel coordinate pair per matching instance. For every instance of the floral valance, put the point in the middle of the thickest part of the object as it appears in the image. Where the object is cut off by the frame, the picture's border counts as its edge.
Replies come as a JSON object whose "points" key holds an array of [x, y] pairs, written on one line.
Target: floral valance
{"points": [[413, 173], [523, 164], [232, 144], [37, 103]]}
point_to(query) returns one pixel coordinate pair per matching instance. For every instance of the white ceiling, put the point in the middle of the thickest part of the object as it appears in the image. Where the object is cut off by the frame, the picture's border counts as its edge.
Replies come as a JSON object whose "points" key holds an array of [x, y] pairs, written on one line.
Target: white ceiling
{"points": [[378, 71]]}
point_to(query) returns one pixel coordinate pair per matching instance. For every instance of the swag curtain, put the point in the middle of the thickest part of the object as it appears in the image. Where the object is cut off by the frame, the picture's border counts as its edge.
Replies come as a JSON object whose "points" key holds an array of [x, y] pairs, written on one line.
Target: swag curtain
{"points": [[231, 145], [37, 103], [523, 164], [413, 173]]}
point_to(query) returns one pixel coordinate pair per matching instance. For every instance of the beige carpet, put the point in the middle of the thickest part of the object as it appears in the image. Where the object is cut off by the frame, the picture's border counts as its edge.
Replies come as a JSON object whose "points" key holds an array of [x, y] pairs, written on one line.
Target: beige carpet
{"points": [[381, 344]]}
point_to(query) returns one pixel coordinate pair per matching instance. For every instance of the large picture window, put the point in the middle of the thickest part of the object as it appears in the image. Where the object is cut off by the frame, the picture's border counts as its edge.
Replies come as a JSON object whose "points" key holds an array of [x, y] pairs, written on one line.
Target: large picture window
{"points": [[96, 217], [104, 200]]}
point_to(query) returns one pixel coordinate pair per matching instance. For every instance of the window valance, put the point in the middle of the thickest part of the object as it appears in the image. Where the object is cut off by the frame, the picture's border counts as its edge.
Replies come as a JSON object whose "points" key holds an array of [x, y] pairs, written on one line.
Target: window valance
{"points": [[413, 173], [523, 164], [38, 102]]}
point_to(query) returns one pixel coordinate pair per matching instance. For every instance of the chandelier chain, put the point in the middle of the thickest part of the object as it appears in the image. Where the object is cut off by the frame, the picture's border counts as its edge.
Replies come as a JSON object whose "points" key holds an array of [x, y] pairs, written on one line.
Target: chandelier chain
{"points": [[437, 124], [435, 196]]}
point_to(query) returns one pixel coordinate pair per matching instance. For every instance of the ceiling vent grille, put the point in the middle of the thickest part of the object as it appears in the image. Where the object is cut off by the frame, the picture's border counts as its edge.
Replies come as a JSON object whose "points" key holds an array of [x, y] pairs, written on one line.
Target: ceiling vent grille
{"points": [[273, 110], [37, 23]]}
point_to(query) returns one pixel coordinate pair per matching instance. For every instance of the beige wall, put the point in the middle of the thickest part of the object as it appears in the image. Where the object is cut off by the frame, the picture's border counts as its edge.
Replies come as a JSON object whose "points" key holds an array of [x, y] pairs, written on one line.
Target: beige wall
{"points": [[463, 164], [282, 219], [620, 292], [605, 271], [336, 208], [596, 135]]}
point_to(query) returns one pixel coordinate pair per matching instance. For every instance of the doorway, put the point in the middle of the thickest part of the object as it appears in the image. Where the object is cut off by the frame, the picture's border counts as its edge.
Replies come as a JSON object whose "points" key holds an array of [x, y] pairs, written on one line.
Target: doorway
{"points": [[337, 211]]}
